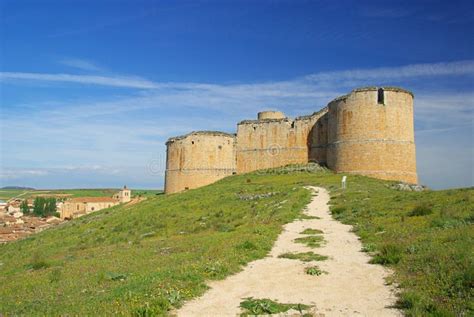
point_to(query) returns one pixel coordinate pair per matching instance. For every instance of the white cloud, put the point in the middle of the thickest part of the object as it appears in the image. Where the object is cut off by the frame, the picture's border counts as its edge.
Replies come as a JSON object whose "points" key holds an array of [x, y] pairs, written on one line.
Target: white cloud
{"points": [[80, 64], [116, 81], [19, 173], [273, 88], [408, 71]]}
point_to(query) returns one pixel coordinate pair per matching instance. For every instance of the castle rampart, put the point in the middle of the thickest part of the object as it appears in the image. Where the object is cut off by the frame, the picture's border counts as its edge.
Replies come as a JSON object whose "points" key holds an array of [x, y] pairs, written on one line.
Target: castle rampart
{"points": [[197, 159], [369, 131]]}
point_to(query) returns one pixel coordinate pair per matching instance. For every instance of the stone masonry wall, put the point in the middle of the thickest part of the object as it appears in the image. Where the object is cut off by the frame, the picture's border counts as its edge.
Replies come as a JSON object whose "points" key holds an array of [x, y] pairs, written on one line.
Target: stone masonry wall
{"points": [[369, 131], [198, 159], [371, 138]]}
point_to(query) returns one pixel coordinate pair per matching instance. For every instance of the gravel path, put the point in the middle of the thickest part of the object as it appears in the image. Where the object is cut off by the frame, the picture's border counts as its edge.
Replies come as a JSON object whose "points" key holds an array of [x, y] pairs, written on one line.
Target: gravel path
{"points": [[351, 287]]}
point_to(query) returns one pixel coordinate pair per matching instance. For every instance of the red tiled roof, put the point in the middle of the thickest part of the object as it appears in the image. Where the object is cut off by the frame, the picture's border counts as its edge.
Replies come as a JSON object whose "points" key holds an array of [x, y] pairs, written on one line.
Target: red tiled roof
{"points": [[93, 200]]}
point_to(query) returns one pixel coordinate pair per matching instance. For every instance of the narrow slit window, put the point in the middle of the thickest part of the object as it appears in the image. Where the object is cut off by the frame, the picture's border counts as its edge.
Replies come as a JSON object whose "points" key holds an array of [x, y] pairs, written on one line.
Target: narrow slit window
{"points": [[380, 97]]}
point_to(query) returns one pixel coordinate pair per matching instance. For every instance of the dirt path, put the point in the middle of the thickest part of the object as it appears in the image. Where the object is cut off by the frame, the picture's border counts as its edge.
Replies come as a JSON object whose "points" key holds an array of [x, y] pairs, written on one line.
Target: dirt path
{"points": [[352, 287]]}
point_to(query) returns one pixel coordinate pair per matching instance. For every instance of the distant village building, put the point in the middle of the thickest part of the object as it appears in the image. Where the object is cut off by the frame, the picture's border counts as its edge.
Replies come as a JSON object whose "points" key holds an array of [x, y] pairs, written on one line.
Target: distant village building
{"points": [[124, 196], [76, 207]]}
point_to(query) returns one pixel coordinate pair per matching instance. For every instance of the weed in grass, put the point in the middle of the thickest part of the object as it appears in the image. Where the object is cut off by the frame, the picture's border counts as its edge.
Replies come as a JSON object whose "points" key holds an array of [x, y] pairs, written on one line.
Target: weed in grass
{"points": [[311, 241], [420, 210], [174, 297], [55, 275], [338, 212], [247, 245], [314, 270], [311, 231], [115, 276], [265, 306], [304, 256], [37, 262], [369, 247], [389, 254]]}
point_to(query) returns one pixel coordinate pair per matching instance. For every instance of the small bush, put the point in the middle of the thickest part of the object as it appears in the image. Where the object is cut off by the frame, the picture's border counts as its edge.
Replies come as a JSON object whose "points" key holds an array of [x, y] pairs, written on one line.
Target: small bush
{"points": [[314, 270], [389, 254], [420, 210]]}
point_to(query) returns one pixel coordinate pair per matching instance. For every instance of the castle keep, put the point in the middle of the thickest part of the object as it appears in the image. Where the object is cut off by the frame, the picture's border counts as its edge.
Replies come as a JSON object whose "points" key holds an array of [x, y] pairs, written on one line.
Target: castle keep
{"points": [[369, 132]]}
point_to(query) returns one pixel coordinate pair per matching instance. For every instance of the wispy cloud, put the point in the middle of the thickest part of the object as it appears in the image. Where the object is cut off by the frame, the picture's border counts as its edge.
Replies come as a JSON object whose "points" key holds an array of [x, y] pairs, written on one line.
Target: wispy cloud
{"points": [[401, 72], [409, 71], [81, 64], [19, 173], [116, 81]]}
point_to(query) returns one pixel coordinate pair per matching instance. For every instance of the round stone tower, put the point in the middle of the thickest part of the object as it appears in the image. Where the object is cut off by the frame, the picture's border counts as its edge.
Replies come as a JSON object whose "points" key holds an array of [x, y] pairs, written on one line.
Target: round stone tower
{"points": [[197, 159], [371, 132], [266, 115]]}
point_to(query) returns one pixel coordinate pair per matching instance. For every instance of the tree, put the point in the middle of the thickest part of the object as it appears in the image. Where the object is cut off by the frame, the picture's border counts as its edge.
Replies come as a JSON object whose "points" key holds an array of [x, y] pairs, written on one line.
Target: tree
{"points": [[24, 207], [44, 207], [38, 206]]}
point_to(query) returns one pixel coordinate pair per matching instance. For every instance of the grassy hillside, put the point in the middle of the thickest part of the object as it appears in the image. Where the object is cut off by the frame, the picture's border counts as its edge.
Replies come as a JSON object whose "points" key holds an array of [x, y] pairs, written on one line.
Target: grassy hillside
{"points": [[6, 194], [151, 257]]}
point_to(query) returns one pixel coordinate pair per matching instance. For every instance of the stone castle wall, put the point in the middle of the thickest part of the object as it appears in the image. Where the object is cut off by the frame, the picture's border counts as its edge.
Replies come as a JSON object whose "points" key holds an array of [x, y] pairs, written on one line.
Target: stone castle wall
{"points": [[198, 159], [273, 142], [369, 131]]}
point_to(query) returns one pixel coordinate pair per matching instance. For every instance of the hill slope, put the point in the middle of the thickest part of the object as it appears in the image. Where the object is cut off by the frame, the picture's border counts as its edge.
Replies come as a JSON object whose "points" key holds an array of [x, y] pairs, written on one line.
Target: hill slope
{"points": [[159, 253]]}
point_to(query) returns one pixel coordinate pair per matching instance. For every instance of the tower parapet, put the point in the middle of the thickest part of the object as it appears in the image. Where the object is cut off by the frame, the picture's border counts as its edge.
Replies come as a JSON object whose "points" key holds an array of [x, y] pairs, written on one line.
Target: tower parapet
{"points": [[265, 115]]}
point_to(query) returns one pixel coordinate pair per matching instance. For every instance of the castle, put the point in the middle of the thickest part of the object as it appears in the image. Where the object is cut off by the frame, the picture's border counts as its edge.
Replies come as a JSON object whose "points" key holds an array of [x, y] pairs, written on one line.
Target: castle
{"points": [[368, 131]]}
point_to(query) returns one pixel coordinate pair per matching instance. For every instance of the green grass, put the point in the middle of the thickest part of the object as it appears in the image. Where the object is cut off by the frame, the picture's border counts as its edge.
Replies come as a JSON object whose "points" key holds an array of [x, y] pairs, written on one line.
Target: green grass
{"points": [[311, 231], [303, 256], [6, 194], [265, 306], [148, 258], [427, 238], [314, 270], [311, 241]]}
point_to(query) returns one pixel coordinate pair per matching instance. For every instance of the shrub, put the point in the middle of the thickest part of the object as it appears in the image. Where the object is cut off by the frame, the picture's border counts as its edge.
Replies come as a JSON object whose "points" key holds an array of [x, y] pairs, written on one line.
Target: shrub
{"points": [[314, 270], [389, 254], [420, 210]]}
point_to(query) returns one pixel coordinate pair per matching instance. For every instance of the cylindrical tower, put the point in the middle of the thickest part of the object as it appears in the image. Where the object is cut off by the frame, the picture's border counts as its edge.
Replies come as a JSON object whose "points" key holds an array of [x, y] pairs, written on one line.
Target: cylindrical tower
{"points": [[266, 115], [371, 132], [197, 159]]}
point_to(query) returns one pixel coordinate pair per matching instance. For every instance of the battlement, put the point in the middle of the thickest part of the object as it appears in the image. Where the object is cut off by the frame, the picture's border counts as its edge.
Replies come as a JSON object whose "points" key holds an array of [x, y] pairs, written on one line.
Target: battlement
{"points": [[368, 131]]}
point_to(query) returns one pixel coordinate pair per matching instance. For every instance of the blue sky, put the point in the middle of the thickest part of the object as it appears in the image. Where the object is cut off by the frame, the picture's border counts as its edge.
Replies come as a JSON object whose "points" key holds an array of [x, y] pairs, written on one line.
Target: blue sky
{"points": [[91, 90]]}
